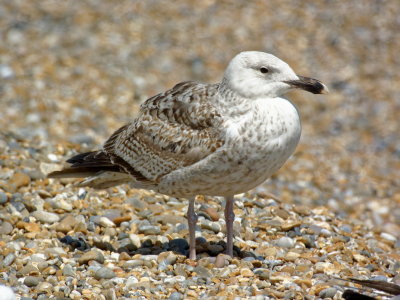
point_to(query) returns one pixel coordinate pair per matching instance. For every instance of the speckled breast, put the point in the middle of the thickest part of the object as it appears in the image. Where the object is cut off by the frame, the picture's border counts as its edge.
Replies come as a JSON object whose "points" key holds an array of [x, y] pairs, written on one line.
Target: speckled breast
{"points": [[257, 145]]}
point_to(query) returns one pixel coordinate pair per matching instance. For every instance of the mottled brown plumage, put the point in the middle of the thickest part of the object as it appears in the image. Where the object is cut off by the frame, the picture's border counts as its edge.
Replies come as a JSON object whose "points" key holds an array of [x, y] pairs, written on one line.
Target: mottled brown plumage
{"points": [[211, 139]]}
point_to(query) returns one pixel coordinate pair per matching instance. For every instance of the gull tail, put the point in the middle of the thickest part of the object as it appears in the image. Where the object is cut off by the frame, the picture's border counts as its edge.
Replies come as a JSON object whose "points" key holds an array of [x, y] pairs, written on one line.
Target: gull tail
{"points": [[97, 169]]}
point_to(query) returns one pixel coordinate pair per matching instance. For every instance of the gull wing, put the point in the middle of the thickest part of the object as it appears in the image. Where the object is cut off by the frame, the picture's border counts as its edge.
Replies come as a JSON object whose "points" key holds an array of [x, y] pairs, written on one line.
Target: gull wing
{"points": [[174, 129]]}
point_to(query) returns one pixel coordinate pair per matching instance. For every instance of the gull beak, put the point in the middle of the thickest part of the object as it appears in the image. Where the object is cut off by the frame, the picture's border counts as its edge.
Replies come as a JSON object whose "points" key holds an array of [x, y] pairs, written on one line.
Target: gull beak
{"points": [[309, 84]]}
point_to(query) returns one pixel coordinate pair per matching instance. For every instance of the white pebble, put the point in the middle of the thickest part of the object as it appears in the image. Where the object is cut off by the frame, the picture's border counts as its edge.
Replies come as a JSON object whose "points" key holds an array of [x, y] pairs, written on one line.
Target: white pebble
{"points": [[106, 222], [6, 293], [388, 236], [285, 242]]}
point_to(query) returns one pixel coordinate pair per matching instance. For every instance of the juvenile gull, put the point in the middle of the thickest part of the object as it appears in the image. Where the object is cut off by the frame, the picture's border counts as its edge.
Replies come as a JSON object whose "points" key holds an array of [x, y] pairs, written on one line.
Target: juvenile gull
{"points": [[205, 139]]}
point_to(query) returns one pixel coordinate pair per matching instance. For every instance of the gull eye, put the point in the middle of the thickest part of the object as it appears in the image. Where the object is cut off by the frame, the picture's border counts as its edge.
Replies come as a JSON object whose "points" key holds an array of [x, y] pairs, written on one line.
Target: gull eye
{"points": [[264, 70]]}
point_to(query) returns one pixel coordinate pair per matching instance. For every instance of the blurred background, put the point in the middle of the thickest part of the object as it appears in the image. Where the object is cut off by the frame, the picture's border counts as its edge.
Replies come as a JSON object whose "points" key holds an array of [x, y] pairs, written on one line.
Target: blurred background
{"points": [[73, 72]]}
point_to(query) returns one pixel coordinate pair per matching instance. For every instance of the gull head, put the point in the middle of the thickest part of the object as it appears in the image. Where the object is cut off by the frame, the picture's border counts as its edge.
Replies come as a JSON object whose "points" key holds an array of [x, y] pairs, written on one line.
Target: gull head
{"points": [[253, 74]]}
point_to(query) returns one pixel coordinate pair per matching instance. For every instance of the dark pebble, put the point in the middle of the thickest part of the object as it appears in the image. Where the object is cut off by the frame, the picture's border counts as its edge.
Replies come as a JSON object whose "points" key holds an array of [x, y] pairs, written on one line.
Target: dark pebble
{"points": [[104, 246], [79, 244], [179, 245]]}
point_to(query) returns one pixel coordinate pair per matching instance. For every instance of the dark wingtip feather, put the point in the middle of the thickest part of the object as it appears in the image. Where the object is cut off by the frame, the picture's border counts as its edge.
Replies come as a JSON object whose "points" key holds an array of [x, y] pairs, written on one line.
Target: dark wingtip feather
{"points": [[79, 158], [73, 173]]}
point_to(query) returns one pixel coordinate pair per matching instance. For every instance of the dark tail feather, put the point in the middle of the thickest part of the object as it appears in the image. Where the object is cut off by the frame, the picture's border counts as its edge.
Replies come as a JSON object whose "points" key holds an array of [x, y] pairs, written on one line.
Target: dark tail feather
{"points": [[90, 159], [83, 172], [85, 165]]}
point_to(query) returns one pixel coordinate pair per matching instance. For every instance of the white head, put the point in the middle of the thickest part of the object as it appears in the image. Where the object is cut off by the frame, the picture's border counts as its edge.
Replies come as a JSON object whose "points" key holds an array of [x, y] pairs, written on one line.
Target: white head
{"points": [[254, 74]]}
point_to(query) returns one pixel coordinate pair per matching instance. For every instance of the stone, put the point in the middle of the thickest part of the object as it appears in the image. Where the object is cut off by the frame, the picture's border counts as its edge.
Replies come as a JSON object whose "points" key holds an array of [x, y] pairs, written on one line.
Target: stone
{"points": [[286, 226], [6, 228], [68, 271], [31, 227], [264, 274], [168, 258], [149, 230], [169, 219], [55, 251], [124, 256], [9, 259], [45, 217], [19, 179], [285, 242], [3, 197], [91, 255], [106, 222], [110, 294], [328, 293], [210, 212], [32, 281], [28, 269], [175, 296], [388, 237], [133, 263], [202, 272], [7, 293], [221, 261], [67, 224], [178, 245], [246, 272], [214, 249], [44, 287], [131, 282], [104, 273], [213, 226], [60, 203], [135, 239]]}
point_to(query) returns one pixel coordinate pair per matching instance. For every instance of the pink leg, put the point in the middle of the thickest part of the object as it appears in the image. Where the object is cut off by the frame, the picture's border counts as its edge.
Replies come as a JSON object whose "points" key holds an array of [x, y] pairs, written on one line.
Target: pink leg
{"points": [[192, 220], [229, 218]]}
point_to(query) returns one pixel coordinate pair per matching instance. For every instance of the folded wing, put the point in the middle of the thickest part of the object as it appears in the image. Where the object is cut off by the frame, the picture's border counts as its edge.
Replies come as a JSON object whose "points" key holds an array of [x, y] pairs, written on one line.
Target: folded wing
{"points": [[174, 129]]}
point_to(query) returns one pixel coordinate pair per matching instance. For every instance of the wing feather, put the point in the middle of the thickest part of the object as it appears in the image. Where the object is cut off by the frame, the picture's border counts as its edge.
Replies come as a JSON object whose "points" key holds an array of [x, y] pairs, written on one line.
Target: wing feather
{"points": [[174, 129]]}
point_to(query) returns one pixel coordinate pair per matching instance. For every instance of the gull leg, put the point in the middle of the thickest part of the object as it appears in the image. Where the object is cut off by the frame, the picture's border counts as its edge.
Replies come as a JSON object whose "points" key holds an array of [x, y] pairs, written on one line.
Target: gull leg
{"points": [[192, 220], [229, 218]]}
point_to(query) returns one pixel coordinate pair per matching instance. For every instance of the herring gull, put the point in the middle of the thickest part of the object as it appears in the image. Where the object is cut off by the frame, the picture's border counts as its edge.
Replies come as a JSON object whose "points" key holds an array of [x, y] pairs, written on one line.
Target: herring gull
{"points": [[205, 139]]}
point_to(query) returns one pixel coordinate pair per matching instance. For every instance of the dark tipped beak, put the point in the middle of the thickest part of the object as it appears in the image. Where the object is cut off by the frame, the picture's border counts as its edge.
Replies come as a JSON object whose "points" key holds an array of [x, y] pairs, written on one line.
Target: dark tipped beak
{"points": [[309, 84]]}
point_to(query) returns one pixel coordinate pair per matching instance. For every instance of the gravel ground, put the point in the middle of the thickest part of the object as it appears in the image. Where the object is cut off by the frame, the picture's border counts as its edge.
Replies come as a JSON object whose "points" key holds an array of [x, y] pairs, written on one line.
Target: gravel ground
{"points": [[73, 72]]}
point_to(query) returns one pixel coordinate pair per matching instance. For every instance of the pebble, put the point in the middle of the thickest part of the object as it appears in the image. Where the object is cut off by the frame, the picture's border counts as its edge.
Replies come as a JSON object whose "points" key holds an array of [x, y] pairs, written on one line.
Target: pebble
{"points": [[213, 226], [262, 273], [68, 270], [135, 240], [202, 272], [221, 261], [106, 222], [176, 296], [6, 228], [60, 202], [168, 258], [246, 272], [20, 179], [214, 249], [44, 287], [285, 242], [32, 281], [7, 293], [104, 273], [178, 245], [91, 255], [388, 237], [3, 197], [149, 229], [327, 293], [45, 217], [211, 212], [9, 259], [67, 224]]}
